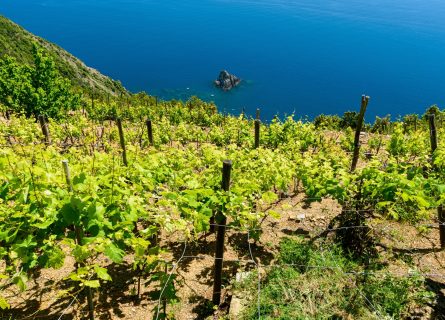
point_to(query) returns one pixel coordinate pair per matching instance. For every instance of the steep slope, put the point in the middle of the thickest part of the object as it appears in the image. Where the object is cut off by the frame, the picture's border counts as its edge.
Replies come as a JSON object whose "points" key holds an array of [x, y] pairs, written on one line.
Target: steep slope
{"points": [[17, 42]]}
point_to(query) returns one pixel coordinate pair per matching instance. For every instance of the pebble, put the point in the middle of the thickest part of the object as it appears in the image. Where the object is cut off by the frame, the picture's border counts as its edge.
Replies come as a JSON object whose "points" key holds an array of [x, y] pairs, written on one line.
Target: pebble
{"points": [[301, 216]]}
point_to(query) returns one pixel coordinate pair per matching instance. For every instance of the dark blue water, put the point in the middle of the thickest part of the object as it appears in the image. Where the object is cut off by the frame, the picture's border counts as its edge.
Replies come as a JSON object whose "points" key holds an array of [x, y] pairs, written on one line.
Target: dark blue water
{"points": [[302, 56]]}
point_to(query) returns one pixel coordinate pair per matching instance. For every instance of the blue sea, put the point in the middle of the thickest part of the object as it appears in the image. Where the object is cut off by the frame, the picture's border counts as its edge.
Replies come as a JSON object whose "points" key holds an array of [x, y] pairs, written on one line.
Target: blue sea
{"points": [[295, 56]]}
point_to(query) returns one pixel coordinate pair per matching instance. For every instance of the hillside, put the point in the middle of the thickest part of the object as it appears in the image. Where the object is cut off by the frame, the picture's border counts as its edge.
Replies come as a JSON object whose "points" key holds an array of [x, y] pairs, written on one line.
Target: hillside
{"points": [[139, 208], [307, 234], [17, 42]]}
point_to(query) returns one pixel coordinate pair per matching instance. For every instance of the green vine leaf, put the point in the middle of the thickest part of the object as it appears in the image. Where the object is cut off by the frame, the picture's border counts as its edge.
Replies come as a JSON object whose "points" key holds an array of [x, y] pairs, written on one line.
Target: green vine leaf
{"points": [[4, 304], [114, 253], [102, 273]]}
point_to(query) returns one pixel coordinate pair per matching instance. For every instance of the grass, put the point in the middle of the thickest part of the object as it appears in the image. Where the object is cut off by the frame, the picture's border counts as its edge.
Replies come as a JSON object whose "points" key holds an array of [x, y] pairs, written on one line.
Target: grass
{"points": [[336, 289]]}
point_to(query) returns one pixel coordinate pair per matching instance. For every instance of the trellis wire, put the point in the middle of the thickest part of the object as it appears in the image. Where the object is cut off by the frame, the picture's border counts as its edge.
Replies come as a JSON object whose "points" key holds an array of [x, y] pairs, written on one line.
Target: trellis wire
{"points": [[348, 273], [174, 266], [259, 277], [72, 301]]}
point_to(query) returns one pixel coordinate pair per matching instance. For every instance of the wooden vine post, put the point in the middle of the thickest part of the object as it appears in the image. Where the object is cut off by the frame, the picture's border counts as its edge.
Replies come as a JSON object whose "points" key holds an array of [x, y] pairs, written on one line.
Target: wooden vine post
{"points": [[361, 116], [441, 216], [257, 133], [221, 229], [149, 131], [45, 129], [78, 233], [257, 129], [440, 211], [433, 132], [122, 141]]}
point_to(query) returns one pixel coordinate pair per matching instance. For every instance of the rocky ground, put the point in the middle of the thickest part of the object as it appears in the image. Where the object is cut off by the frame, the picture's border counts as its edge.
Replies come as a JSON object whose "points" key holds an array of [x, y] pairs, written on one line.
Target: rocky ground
{"points": [[46, 298]]}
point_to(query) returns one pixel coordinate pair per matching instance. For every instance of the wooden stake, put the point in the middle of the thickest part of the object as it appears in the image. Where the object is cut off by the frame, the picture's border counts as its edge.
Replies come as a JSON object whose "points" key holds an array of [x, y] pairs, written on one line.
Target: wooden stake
{"points": [[45, 129], [258, 114], [122, 141], [441, 216], [149, 131], [361, 116], [90, 303], [66, 170], [433, 133], [440, 211], [257, 133], [219, 254]]}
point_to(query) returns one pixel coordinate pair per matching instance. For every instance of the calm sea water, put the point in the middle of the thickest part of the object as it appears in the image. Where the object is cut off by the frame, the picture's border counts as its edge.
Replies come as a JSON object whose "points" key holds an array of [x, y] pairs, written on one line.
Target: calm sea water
{"points": [[302, 56]]}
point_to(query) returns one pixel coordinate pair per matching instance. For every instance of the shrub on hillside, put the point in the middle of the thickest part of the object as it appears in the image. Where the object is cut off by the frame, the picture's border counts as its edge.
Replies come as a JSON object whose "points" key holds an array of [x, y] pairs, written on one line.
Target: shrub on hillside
{"points": [[37, 89]]}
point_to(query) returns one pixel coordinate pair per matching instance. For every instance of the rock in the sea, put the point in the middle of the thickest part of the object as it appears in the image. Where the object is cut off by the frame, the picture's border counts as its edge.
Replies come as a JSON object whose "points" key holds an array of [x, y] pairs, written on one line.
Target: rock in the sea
{"points": [[227, 81]]}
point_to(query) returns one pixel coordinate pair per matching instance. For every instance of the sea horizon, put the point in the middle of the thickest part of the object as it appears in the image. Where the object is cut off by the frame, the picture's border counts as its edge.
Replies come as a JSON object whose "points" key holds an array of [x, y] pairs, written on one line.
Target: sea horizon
{"points": [[295, 57]]}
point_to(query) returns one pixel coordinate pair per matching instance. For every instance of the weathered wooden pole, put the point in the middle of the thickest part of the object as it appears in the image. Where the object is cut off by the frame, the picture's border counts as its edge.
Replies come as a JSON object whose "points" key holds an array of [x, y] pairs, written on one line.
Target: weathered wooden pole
{"points": [[45, 129], [122, 141], [66, 170], [149, 131], [440, 211], [221, 229], [257, 133], [257, 114], [361, 116], [78, 234], [433, 132], [441, 217]]}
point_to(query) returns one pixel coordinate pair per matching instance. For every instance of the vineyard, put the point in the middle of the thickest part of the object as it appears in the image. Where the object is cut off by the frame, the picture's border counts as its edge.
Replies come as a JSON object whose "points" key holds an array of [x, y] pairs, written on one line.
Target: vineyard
{"points": [[137, 208]]}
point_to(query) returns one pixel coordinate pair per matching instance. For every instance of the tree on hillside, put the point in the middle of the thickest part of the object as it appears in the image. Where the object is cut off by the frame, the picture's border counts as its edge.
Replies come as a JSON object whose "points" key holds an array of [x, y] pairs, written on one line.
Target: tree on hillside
{"points": [[37, 89]]}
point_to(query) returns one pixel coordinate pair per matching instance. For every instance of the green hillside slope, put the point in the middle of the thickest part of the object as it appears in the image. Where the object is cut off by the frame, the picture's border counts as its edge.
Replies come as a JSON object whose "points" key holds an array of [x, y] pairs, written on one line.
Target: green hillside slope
{"points": [[17, 42]]}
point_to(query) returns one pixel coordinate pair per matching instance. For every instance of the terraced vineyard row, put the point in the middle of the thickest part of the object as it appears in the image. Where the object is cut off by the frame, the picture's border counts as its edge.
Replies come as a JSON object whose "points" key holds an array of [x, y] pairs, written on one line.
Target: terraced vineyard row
{"points": [[90, 190]]}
